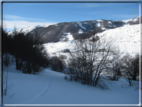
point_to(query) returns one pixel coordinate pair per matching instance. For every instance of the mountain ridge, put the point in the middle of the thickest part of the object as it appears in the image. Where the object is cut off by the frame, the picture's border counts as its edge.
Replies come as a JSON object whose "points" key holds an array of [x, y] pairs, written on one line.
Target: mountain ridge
{"points": [[79, 29]]}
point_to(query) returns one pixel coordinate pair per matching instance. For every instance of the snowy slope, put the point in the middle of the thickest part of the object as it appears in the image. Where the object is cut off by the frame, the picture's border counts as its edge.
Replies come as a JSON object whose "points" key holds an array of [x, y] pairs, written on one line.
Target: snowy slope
{"points": [[25, 30], [49, 87], [80, 24], [134, 20], [28, 29], [61, 45], [126, 38]]}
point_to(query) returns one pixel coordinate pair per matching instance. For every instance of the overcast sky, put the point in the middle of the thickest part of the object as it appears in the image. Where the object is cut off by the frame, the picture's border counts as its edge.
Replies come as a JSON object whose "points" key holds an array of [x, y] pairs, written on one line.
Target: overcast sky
{"points": [[32, 14]]}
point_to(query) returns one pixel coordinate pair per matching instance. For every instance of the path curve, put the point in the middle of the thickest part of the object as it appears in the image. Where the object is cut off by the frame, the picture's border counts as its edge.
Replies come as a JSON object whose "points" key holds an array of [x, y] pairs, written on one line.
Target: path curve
{"points": [[40, 94]]}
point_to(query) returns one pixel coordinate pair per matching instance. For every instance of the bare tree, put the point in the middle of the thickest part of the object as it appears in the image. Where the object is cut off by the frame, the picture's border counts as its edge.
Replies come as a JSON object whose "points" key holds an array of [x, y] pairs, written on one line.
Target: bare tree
{"points": [[116, 65], [116, 70], [131, 67], [88, 61]]}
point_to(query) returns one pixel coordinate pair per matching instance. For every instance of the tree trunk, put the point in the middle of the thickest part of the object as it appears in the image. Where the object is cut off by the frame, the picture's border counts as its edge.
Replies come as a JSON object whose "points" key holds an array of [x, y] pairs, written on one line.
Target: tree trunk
{"points": [[134, 77]]}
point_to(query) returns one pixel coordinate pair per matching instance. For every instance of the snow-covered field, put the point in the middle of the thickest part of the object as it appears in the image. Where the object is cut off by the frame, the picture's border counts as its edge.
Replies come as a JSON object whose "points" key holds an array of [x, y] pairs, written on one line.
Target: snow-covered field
{"points": [[50, 87]]}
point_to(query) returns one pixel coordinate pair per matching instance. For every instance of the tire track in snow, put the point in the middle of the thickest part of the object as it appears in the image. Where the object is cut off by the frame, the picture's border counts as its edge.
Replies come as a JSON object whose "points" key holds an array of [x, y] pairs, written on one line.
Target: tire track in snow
{"points": [[39, 95]]}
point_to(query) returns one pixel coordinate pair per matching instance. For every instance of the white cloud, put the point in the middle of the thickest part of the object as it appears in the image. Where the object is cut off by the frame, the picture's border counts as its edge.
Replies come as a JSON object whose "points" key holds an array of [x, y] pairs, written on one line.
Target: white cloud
{"points": [[23, 24], [13, 17], [11, 21]]}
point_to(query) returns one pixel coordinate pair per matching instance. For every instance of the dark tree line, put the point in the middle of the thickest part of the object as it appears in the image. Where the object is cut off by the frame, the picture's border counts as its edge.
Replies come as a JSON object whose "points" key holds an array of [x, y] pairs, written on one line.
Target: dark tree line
{"points": [[28, 52]]}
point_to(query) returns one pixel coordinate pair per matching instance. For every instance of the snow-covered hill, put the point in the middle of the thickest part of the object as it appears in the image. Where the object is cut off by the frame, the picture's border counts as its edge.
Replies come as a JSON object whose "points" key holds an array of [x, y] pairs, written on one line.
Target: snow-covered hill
{"points": [[126, 38]]}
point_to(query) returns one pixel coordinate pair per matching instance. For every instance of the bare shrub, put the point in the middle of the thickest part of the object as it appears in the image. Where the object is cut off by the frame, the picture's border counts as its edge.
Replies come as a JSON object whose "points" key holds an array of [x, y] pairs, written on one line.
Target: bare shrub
{"points": [[131, 67], [56, 64], [87, 63], [62, 57]]}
